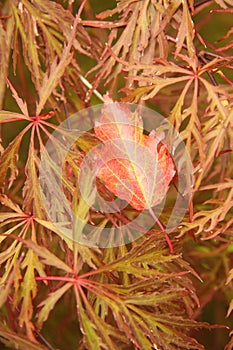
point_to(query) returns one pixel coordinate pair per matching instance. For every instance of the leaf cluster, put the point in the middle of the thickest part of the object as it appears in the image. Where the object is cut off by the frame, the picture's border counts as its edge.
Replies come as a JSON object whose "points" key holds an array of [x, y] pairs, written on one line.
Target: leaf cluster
{"points": [[57, 58]]}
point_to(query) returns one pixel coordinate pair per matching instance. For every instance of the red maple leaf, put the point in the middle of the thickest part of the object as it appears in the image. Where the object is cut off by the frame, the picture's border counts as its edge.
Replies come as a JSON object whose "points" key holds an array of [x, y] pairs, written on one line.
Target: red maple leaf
{"points": [[133, 166]]}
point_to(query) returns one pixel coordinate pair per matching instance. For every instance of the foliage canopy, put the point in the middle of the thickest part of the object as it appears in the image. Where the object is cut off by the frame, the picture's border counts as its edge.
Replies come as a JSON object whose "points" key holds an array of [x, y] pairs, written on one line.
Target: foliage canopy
{"points": [[58, 57]]}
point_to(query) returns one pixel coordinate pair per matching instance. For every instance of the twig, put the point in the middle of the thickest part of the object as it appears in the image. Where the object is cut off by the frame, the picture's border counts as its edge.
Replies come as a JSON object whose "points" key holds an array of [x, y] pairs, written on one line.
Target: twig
{"points": [[89, 85], [162, 229], [212, 78], [201, 2], [43, 340], [103, 24]]}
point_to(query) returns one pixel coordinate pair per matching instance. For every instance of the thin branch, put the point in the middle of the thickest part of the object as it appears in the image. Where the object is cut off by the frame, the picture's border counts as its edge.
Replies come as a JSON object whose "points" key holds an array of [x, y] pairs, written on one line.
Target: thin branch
{"points": [[89, 86], [43, 340], [212, 78], [103, 24], [201, 2]]}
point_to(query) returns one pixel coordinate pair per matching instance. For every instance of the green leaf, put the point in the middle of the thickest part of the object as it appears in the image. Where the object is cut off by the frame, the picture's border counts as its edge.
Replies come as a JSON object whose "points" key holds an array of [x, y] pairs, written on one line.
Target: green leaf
{"points": [[7, 116], [97, 332], [81, 207], [5, 289], [9, 159], [6, 201], [31, 192], [92, 339], [185, 32], [154, 298], [132, 328], [29, 289], [52, 227], [49, 303], [144, 253], [9, 216], [48, 257], [53, 76], [22, 104], [26, 25], [89, 255], [159, 330], [4, 59]]}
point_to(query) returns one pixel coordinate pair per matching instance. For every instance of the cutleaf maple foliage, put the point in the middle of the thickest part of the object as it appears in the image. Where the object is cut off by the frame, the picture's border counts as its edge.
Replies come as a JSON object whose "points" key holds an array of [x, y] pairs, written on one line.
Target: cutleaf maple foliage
{"points": [[57, 58]]}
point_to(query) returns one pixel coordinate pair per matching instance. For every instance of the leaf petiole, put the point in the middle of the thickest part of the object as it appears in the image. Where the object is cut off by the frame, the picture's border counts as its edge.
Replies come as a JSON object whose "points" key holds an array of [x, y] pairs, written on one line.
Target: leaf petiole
{"points": [[162, 229]]}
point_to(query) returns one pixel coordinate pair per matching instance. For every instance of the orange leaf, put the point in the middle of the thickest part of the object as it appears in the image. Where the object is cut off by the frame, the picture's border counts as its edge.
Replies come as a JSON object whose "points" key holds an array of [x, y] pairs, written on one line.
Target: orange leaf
{"points": [[133, 166]]}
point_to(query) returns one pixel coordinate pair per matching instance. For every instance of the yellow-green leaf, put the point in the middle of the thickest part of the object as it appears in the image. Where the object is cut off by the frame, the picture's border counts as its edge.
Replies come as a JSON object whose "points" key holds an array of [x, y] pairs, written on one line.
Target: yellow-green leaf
{"points": [[49, 303]]}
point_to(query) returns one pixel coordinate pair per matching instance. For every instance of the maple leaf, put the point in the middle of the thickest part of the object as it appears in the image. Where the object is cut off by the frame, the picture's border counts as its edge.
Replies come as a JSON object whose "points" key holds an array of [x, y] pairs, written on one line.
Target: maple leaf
{"points": [[133, 166]]}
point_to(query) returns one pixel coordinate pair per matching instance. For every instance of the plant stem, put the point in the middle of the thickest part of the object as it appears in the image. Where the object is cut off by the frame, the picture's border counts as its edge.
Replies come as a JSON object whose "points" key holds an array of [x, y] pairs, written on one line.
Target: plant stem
{"points": [[162, 229]]}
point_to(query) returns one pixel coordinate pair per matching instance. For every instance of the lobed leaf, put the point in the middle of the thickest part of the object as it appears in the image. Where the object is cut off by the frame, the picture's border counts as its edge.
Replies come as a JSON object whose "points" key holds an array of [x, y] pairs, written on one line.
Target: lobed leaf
{"points": [[22, 104], [130, 174], [97, 332], [48, 304], [9, 159], [28, 290], [31, 191], [7, 116], [185, 32], [48, 257], [5, 42]]}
